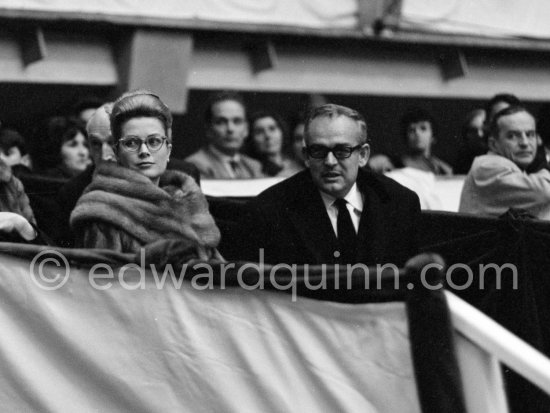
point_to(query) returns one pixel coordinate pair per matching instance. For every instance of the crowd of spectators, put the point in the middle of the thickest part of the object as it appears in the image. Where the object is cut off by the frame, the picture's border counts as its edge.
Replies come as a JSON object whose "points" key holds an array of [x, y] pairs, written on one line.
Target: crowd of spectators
{"points": [[75, 190]]}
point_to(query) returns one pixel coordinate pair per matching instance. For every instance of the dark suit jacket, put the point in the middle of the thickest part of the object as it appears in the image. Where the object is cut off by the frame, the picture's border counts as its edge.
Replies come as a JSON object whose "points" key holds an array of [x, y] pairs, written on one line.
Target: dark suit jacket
{"points": [[290, 222]]}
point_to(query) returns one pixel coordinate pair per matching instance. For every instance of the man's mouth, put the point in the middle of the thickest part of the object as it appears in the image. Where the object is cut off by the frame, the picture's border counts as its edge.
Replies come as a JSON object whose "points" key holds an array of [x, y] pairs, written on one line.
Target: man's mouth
{"points": [[330, 175]]}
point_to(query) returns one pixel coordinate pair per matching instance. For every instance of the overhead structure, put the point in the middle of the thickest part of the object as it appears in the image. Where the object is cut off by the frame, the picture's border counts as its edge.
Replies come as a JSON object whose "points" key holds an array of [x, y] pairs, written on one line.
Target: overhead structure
{"points": [[436, 48]]}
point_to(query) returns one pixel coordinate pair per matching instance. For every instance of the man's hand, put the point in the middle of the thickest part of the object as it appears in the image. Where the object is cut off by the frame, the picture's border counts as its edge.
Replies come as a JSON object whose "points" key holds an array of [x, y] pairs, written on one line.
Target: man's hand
{"points": [[11, 222]]}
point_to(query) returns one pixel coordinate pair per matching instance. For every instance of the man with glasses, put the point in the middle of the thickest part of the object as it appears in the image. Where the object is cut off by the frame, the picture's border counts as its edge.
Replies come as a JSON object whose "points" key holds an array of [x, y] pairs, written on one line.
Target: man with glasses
{"points": [[500, 180], [334, 212]]}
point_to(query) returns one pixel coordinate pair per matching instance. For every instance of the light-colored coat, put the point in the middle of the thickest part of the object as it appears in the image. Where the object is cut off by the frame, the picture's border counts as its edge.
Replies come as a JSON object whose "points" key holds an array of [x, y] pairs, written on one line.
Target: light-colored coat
{"points": [[496, 184], [212, 167]]}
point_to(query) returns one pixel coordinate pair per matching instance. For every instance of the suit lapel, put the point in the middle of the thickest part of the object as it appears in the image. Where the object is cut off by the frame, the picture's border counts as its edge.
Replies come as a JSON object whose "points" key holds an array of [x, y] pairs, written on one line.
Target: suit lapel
{"points": [[217, 165], [372, 226], [309, 217]]}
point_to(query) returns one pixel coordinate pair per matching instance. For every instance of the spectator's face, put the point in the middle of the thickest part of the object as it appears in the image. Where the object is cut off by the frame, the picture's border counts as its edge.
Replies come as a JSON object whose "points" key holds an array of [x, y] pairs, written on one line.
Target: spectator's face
{"points": [[267, 136], [419, 136], [151, 163], [475, 127], [228, 127], [335, 176], [517, 138], [12, 156], [75, 155], [474, 134], [99, 137]]}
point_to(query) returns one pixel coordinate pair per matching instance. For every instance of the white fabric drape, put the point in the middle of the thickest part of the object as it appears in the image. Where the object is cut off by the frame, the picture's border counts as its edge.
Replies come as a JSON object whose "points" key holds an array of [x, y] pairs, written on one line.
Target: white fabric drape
{"points": [[135, 347]]}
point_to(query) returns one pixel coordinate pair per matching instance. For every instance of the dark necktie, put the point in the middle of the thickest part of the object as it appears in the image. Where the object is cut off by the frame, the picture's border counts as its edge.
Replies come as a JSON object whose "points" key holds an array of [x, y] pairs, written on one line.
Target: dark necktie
{"points": [[347, 237], [238, 169]]}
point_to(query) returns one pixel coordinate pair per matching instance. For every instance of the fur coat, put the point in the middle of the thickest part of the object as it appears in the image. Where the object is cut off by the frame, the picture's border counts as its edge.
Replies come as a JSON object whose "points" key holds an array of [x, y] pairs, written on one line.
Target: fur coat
{"points": [[123, 210], [12, 194]]}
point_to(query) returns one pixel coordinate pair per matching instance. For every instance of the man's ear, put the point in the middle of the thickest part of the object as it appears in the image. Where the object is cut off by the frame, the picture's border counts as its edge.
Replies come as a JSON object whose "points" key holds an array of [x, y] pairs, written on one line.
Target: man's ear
{"points": [[539, 140], [306, 157], [364, 155]]}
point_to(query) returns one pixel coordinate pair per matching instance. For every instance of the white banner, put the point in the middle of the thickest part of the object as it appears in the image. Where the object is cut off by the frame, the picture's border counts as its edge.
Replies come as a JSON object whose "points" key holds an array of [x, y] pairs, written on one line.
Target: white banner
{"points": [[75, 342], [318, 13], [527, 18]]}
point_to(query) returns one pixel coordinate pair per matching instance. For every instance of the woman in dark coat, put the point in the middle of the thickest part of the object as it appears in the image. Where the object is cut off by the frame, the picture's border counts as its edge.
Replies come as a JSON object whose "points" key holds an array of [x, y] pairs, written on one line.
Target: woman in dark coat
{"points": [[136, 201]]}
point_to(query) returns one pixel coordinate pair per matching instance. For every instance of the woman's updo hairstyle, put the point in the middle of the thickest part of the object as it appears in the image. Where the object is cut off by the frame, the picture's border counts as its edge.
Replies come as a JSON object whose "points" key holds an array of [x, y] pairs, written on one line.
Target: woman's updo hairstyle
{"points": [[137, 104]]}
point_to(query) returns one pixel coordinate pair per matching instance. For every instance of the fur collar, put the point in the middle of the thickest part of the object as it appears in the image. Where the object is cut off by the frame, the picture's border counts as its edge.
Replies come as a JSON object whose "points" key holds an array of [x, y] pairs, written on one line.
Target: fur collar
{"points": [[128, 200], [5, 172]]}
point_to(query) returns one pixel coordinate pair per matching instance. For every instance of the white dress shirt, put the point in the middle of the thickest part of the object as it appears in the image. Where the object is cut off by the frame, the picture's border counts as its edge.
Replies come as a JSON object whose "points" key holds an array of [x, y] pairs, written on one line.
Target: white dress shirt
{"points": [[354, 204]]}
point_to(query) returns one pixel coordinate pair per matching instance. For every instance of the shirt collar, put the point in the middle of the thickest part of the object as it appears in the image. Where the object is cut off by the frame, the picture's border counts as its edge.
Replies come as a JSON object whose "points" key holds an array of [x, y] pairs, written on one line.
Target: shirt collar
{"points": [[223, 157], [353, 197]]}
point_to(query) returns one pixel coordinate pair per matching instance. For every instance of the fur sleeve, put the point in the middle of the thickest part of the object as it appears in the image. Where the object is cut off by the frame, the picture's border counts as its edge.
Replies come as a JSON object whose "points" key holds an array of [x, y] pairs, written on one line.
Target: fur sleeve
{"points": [[103, 235]]}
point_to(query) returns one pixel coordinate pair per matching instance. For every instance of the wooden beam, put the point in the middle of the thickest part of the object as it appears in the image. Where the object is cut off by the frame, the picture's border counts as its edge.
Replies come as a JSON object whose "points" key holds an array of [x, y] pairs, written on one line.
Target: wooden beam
{"points": [[32, 45], [157, 60], [262, 55], [452, 63]]}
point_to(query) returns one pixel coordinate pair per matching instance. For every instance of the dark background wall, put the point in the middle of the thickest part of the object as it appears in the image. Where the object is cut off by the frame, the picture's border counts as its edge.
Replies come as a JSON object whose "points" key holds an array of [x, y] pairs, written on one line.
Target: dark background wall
{"points": [[383, 116], [22, 105]]}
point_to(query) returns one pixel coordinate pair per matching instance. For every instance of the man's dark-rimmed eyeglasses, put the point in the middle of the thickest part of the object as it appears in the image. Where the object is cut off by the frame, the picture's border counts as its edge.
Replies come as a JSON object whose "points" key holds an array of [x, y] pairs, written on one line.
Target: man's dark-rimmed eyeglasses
{"points": [[339, 151]]}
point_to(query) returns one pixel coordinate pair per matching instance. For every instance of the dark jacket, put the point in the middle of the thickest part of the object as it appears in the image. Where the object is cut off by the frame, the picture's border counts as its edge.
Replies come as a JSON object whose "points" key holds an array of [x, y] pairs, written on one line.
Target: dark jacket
{"points": [[290, 222]]}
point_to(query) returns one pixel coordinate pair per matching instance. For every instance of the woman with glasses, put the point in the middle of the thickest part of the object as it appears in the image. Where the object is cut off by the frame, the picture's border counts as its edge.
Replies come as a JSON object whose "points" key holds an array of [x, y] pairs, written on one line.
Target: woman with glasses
{"points": [[137, 201]]}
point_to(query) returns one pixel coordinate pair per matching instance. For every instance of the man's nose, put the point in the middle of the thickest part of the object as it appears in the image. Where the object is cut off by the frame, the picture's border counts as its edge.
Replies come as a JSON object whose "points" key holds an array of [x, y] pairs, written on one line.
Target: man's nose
{"points": [[330, 159], [524, 139], [107, 153]]}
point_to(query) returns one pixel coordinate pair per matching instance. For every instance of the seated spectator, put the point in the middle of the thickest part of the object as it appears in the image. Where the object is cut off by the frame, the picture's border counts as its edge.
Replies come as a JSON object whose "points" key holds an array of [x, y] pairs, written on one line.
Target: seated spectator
{"points": [[227, 129], [64, 148], [334, 212], [499, 180], [472, 141], [100, 140], [136, 201], [417, 128], [380, 163], [13, 150], [267, 143], [543, 128], [16, 215], [12, 195]]}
